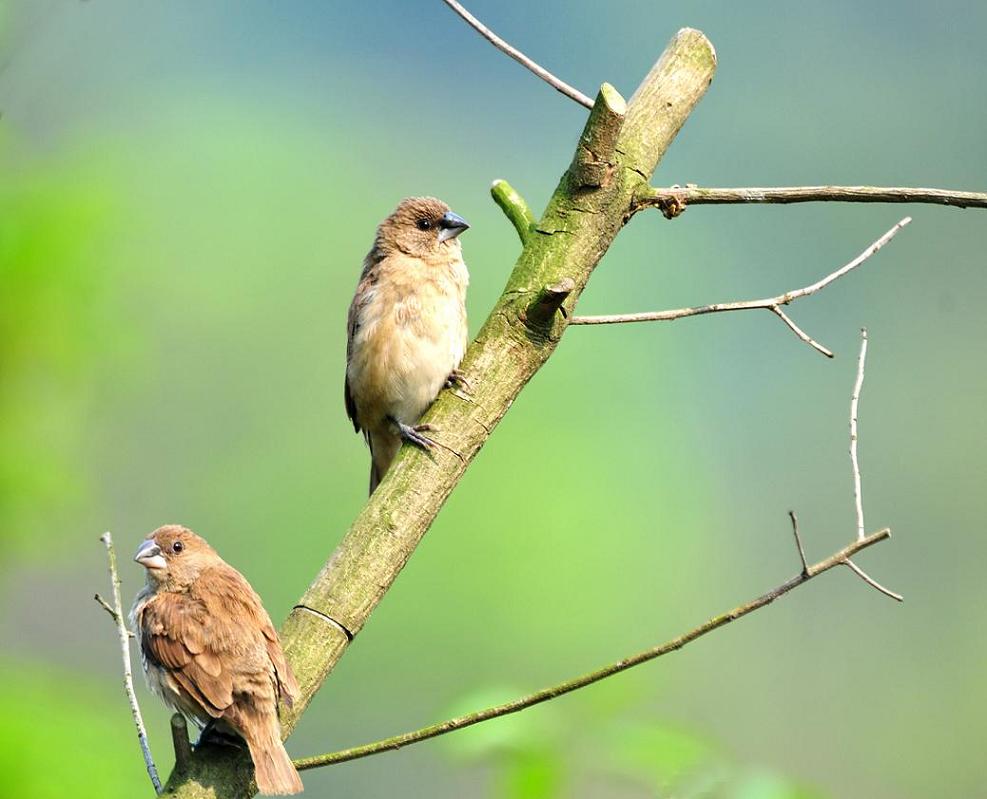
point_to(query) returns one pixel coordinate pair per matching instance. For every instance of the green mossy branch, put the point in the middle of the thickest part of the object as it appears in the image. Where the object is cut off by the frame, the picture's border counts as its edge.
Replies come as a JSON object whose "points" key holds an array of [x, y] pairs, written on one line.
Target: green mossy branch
{"points": [[558, 257], [514, 208]]}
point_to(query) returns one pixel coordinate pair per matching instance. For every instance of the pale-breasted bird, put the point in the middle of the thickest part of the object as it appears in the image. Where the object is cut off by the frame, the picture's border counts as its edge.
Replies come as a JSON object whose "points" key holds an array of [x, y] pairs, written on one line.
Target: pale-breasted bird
{"points": [[209, 649], [406, 329]]}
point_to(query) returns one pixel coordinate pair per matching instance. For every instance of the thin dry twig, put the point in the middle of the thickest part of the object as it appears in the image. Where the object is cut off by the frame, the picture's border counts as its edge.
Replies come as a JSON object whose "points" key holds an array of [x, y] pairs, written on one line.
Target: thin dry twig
{"points": [[109, 609], [673, 201], [798, 541], [517, 55], [772, 304], [858, 501], [398, 741], [871, 581], [128, 681], [798, 331]]}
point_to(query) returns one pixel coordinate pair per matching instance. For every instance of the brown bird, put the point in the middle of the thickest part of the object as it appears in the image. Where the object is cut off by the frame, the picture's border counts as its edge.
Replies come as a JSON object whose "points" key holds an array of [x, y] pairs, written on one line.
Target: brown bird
{"points": [[210, 652], [406, 329]]}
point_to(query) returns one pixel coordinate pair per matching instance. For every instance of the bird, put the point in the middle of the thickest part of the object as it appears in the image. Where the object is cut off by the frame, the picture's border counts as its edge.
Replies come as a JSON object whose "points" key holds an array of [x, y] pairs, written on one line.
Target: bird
{"points": [[210, 651], [406, 328]]}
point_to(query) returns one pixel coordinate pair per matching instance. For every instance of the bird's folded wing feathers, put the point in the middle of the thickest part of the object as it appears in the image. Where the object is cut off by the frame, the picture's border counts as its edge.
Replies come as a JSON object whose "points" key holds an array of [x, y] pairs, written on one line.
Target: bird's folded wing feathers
{"points": [[173, 636]]}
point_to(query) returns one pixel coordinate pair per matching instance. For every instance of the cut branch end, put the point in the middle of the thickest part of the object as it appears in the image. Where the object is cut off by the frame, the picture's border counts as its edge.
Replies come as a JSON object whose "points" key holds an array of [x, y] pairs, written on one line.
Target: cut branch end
{"points": [[542, 311], [179, 739], [596, 155]]}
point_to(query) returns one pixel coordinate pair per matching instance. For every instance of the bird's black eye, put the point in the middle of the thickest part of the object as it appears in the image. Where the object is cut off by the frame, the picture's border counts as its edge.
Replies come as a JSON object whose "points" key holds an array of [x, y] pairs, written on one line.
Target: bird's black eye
{"points": [[423, 224], [177, 547]]}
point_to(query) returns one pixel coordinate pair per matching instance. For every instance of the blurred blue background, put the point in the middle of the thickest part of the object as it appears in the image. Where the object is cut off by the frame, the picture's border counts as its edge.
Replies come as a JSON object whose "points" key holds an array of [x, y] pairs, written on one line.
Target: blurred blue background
{"points": [[188, 191]]}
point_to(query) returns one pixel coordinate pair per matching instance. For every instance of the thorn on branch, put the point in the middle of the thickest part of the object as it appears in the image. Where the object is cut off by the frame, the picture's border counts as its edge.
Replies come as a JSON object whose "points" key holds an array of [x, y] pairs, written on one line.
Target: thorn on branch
{"points": [[596, 155], [514, 208], [541, 312]]}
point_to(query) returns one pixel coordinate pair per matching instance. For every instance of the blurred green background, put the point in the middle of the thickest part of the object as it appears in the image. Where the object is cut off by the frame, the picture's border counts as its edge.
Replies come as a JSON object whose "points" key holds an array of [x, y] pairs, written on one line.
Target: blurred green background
{"points": [[188, 190]]}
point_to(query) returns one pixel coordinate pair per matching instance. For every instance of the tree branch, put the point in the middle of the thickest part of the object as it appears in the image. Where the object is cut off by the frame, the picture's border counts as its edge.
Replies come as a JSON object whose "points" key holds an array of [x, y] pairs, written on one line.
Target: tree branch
{"points": [[572, 235], [116, 612], [769, 303], [673, 201], [517, 55], [450, 725]]}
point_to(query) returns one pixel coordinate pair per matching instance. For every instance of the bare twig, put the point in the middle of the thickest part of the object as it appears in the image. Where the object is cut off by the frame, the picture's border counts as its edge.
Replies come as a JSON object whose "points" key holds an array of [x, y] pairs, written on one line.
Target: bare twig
{"points": [[858, 501], [388, 744], [772, 304], [671, 202], [128, 680], [106, 606], [798, 331], [798, 541], [871, 581], [518, 56]]}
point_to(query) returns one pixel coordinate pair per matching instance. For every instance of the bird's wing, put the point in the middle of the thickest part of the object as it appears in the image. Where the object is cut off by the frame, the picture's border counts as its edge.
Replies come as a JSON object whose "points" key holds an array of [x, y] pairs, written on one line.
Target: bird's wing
{"points": [[288, 688], [174, 635], [364, 292], [238, 621], [350, 405]]}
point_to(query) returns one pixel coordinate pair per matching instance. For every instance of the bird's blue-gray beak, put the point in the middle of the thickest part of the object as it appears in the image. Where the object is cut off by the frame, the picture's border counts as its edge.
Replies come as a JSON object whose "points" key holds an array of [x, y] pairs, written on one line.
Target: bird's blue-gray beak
{"points": [[149, 555], [451, 225]]}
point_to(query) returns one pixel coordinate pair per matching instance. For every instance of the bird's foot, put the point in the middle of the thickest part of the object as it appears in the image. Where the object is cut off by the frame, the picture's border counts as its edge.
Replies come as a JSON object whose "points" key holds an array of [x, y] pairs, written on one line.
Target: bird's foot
{"points": [[457, 379], [210, 735], [413, 434]]}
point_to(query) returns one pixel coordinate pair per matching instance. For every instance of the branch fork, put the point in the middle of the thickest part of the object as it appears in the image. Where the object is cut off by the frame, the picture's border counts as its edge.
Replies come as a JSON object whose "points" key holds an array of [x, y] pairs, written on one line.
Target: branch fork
{"points": [[772, 304]]}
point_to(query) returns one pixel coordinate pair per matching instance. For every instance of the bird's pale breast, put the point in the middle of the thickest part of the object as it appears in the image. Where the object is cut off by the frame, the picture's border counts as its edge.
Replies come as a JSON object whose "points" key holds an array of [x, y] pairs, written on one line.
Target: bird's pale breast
{"points": [[411, 334]]}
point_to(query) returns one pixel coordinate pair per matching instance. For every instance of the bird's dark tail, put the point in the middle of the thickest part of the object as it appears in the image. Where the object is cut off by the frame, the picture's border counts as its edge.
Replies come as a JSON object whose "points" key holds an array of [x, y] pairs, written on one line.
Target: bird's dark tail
{"points": [[383, 447], [273, 769], [375, 477]]}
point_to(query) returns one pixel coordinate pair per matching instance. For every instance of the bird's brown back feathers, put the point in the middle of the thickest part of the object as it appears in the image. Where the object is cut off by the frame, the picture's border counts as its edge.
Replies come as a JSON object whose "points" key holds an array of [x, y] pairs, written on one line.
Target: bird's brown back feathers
{"points": [[210, 649]]}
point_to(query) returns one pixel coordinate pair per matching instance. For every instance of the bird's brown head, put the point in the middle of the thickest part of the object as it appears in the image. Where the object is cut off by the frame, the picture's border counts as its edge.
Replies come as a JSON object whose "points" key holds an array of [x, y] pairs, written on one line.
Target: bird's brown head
{"points": [[174, 557], [421, 227]]}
